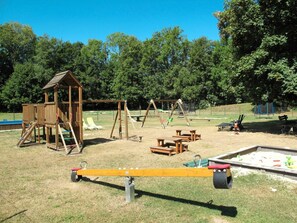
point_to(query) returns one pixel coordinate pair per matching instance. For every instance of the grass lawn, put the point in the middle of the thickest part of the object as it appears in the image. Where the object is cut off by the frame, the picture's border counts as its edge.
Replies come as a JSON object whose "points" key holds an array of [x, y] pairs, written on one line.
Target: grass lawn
{"points": [[36, 187]]}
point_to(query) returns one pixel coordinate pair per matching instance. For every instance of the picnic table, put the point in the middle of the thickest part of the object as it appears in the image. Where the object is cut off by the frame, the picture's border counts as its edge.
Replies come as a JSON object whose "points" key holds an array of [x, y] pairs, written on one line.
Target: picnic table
{"points": [[191, 136], [169, 141], [169, 145]]}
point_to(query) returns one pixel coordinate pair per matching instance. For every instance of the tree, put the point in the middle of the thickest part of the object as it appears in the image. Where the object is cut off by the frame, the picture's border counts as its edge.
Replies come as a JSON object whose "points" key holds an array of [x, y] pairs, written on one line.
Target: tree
{"points": [[90, 69], [18, 41], [23, 86], [17, 45], [126, 55], [264, 40], [6, 67], [200, 64], [226, 90], [163, 57]]}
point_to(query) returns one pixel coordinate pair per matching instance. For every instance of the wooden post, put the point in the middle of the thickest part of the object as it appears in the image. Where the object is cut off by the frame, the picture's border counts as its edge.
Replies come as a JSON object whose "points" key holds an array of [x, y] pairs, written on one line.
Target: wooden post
{"points": [[47, 134], [114, 123], [46, 96], [120, 120], [146, 113], [80, 116], [161, 121], [126, 120], [57, 117], [172, 111], [70, 105], [180, 104]]}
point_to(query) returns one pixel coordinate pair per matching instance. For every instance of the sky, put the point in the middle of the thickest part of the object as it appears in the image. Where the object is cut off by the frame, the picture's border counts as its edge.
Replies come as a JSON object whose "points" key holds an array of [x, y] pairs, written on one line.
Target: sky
{"points": [[81, 20]]}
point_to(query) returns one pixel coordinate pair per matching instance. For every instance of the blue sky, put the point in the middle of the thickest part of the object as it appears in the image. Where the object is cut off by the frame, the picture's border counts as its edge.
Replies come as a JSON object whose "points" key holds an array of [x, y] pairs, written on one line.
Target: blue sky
{"points": [[80, 20]]}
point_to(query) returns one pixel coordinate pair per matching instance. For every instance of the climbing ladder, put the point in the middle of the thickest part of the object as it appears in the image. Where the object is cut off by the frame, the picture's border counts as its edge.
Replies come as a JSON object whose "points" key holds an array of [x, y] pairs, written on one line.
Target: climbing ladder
{"points": [[26, 133], [68, 148]]}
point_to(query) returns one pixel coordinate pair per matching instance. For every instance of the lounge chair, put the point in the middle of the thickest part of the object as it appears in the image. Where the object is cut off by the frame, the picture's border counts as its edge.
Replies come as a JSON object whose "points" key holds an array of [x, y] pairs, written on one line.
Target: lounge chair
{"points": [[92, 124], [86, 126]]}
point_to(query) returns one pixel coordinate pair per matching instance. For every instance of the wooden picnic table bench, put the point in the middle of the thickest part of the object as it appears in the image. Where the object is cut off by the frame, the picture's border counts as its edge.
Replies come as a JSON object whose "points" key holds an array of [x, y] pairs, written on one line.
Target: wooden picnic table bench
{"points": [[169, 145], [162, 149], [192, 136], [166, 141]]}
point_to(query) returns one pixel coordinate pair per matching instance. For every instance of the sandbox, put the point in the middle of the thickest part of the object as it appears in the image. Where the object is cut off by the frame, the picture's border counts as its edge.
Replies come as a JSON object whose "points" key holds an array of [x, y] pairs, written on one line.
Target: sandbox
{"points": [[282, 161]]}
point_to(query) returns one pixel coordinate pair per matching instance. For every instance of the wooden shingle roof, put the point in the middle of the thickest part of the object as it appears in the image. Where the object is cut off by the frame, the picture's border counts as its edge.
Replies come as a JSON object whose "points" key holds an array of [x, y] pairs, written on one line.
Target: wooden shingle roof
{"points": [[65, 78]]}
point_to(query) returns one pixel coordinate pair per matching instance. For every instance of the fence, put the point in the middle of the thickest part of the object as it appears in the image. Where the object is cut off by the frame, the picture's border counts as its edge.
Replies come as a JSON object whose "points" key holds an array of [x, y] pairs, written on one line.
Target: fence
{"points": [[247, 109]]}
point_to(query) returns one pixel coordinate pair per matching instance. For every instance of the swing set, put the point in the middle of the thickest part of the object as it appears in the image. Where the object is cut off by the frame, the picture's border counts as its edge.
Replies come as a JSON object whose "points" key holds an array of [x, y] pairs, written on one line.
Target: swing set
{"points": [[122, 122], [174, 105]]}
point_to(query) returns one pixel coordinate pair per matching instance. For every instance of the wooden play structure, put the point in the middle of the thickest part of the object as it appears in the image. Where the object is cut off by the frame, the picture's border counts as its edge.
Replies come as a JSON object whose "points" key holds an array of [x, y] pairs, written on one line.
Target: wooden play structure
{"points": [[222, 176], [60, 116], [64, 113], [174, 103], [33, 119], [122, 128]]}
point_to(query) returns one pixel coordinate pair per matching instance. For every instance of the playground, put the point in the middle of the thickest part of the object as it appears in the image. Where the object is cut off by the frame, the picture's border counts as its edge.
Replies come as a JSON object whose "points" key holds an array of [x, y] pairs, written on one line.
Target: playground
{"points": [[36, 185]]}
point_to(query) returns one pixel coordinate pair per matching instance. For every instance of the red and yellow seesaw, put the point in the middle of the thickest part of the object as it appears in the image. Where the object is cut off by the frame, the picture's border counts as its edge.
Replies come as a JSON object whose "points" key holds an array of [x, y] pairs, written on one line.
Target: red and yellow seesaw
{"points": [[222, 176]]}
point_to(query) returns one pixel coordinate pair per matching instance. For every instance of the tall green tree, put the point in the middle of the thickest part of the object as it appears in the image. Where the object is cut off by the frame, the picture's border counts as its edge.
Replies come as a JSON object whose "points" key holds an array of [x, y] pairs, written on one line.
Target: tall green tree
{"points": [[263, 37], [226, 90], [126, 55], [53, 56], [164, 55], [17, 45], [17, 41], [200, 64], [23, 86], [90, 67]]}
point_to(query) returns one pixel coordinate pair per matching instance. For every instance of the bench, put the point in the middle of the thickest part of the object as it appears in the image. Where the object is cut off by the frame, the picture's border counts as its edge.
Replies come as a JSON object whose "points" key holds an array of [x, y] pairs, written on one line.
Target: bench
{"points": [[196, 136], [283, 117], [184, 138], [185, 146], [192, 136], [161, 149]]}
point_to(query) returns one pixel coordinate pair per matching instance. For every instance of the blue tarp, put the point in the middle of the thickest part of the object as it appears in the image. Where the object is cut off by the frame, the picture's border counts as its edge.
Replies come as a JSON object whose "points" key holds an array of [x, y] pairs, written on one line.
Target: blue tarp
{"points": [[11, 122]]}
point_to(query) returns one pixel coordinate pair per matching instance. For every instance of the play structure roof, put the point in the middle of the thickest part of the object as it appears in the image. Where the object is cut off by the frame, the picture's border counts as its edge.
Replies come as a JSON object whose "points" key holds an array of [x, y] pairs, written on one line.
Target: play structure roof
{"points": [[65, 78]]}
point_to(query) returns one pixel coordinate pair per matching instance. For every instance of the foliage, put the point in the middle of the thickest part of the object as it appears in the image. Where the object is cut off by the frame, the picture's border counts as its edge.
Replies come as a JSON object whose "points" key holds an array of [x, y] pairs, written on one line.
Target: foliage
{"points": [[255, 60], [264, 41], [23, 86], [126, 52], [17, 44], [89, 66]]}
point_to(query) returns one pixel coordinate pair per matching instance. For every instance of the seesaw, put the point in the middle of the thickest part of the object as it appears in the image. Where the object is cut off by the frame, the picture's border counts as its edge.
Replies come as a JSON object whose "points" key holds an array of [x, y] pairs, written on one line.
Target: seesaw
{"points": [[222, 177]]}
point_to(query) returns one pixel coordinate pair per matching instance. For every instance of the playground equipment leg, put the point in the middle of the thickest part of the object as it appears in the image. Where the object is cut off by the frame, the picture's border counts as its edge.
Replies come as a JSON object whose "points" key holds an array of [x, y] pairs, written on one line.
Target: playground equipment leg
{"points": [[129, 189]]}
